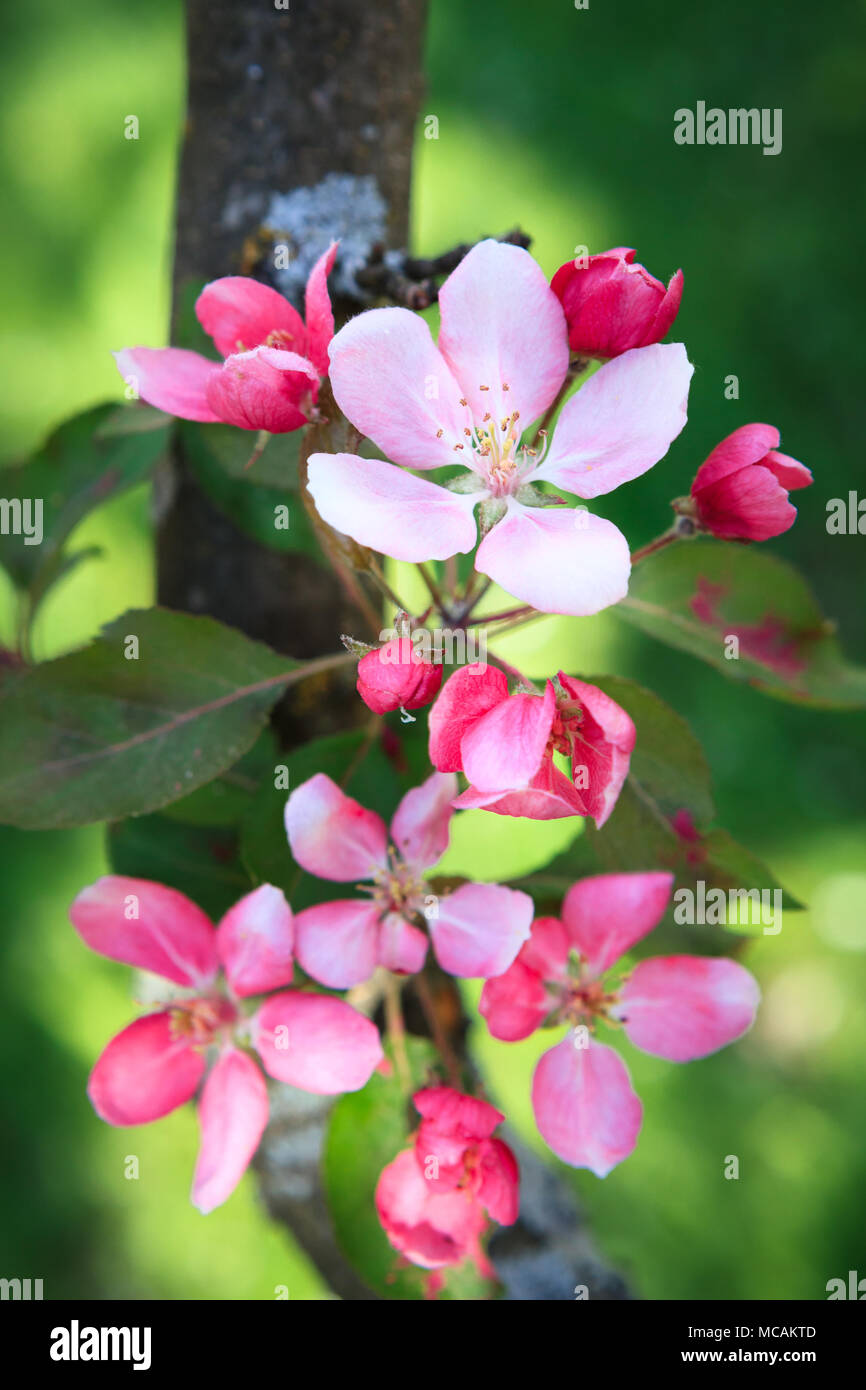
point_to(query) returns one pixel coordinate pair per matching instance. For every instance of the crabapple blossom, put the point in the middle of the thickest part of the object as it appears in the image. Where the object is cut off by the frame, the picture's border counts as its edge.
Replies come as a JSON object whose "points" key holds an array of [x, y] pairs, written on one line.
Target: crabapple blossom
{"points": [[397, 676], [158, 1062], [676, 1007], [274, 359], [740, 491], [434, 1199], [505, 745], [612, 305], [476, 931], [501, 362]]}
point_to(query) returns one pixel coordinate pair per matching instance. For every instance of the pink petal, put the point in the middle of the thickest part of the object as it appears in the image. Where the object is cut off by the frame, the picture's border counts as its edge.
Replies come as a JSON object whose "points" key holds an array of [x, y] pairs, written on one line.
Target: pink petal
{"points": [[333, 836], [173, 379], [744, 446], [682, 1007], [401, 947], [318, 312], [503, 327], [265, 389], [480, 929], [432, 1229], [604, 744], [255, 940], [499, 1189], [748, 505], [788, 471], [549, 796], [515, 1003], [338, 943], [585, 1107], [144, 1073], [239, 313], [149, 926], [390, 380], [465, 697], [420, 827], [316, 1043], [558, 560], [606, 914], [446, 1111], [396, 513], [502, 751], [620, 422], [233, 1112]]}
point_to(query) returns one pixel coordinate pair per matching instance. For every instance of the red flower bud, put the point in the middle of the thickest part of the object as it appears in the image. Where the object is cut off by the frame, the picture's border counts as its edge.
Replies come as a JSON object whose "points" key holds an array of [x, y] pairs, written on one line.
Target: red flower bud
{"points": [[395, 677], [741, 491], [612, 305]]}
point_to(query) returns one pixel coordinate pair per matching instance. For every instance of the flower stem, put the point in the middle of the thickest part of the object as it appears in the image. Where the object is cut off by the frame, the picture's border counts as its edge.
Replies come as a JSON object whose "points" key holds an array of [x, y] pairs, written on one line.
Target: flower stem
{"points": [[658, 544], [397, 1030]]}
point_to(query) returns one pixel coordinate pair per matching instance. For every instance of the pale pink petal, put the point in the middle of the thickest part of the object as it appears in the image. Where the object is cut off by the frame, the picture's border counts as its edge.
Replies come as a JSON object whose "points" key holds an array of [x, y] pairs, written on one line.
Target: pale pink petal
{"points": [[239, 313], [401, 947], [585, 1107], [144, 1073], [503, 750], [396, 513], [606, 914], [559, 560], [337, 943], [173, 379], [503, 328], [147, 925], [465, 697], [255, 940], [232, 1112], [421, 822], [549, 796], [682, 1007], [316, 1043], [318, 311], [737, 450], [265, 389], [390, 380], [480, 928], [621, 421], [333, 836]]}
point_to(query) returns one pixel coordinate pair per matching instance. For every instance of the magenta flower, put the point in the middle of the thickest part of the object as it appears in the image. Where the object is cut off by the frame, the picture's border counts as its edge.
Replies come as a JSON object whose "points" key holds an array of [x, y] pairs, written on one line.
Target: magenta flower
{"points": [[476, 931], [612, 305], [505, 745], [157, 1063], [740, 491], [677, 1007], [501, 360], [397, 676], [274, 360], [434, 1199]]}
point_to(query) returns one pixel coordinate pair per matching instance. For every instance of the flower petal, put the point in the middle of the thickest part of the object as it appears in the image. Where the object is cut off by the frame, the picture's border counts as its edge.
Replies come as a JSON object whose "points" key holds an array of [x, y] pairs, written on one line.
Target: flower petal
{"points": [[316, 1043], [620, 422], [515, 1003], [255, 940], [750, 504], [737, 450], [173, 379], [432, 1229], [147, 925], [232, 1112], [265, 389], [396, 513], [331, 835], [789, 472], [420, 827], [144, 1073], [318, 311], [499, 1189], [503, 750], [466, 696], [402, 947], [558, 560], [606, 914], [239, 313], [682, 1007], [503, 328], [603, 747], [549, 796], [585, 1107], [480, 929], [338, 942]]}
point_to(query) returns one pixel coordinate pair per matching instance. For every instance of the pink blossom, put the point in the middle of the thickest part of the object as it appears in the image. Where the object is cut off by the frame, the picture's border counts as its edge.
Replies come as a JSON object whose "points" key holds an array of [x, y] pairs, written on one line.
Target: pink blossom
{"points": [[676, 1007], [396, 676], [158, 1062], [613, 305], [501, 360], [475, 931], [434, 1199], [505, 745], [274, 359], [740, 491]]}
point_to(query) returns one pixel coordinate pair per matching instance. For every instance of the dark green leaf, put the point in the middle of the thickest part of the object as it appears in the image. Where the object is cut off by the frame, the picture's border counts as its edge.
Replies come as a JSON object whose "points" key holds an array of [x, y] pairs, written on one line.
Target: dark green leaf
{"points": [[200, 861]]}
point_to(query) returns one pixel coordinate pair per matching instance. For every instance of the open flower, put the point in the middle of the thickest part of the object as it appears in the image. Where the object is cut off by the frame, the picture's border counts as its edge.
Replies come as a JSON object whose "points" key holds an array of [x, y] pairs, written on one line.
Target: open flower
{"points": [[612, 305], [476, 931], [677, 1007], [158, 1062], [434, 1199], [740, 491], [274, 359], [501, 361], [505, 745]]}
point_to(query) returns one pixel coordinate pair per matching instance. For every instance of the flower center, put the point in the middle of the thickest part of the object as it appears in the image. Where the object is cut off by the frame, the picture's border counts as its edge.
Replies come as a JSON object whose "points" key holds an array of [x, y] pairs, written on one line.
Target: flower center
{"points": [[199, 1020], [496, 452], [397, 888]]}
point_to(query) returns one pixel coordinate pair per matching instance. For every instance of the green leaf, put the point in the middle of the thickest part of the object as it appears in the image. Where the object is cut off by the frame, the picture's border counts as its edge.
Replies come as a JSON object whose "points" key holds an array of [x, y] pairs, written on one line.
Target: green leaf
{"points": [[97, 736], [696, 595], [367, 1129], [201, 861]]}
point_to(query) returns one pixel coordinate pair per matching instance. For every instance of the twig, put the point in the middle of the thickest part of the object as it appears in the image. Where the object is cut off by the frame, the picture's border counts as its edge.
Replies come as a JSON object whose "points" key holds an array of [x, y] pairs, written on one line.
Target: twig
{"points": [[411, 280]]}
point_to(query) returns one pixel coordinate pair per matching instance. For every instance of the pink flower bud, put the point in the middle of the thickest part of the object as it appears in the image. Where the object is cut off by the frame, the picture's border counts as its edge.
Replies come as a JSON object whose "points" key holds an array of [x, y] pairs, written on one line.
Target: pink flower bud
{"points": [[612, 305], [741, 491], [396, 676]]}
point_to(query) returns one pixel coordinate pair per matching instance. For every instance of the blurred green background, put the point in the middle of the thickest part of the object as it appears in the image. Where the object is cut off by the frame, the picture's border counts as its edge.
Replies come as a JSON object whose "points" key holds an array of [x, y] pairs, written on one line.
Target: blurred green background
{"points": [[560, 120]]}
